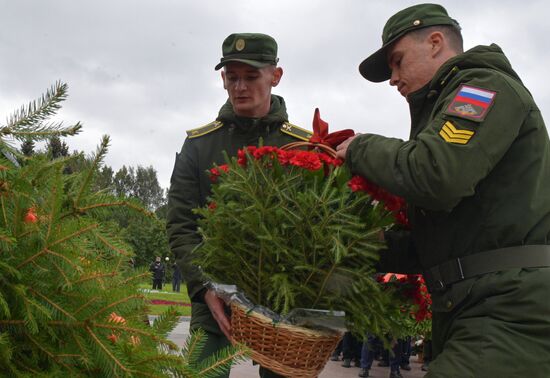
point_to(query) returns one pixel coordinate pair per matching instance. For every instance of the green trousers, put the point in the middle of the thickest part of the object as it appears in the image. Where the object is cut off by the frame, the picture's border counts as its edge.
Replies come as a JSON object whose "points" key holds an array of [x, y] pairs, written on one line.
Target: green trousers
{"points": [[500, 329]]}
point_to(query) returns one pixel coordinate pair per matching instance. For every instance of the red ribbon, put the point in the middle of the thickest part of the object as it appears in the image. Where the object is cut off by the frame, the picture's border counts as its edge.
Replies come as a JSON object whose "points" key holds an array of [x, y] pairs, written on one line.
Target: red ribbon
{"points": [[322, 136]]}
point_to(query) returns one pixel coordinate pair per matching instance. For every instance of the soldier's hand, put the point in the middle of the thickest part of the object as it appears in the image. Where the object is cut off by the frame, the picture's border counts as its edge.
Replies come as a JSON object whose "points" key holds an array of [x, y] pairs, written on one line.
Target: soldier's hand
{"points": [[216, 306], [342, 148]]}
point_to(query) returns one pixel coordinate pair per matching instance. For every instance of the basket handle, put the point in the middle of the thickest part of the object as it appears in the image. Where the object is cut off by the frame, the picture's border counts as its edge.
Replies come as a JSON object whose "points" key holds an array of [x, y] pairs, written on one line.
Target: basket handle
{"points": [[323, 147]]}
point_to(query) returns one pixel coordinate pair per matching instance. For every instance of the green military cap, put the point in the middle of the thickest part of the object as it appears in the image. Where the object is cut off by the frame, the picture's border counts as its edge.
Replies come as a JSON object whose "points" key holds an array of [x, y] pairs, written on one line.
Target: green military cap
{"points": [[375, 67], [255, 49]]}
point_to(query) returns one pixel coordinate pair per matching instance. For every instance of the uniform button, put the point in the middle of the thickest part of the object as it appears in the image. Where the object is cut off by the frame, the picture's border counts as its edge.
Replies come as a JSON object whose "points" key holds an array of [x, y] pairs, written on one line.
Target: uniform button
{"points": [[449, 304]]}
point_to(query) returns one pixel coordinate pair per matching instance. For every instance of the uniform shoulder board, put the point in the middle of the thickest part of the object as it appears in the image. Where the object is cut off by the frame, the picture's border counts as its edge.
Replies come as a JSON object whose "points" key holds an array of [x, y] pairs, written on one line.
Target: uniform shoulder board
{"points": [[203, 130], [295, 131]]}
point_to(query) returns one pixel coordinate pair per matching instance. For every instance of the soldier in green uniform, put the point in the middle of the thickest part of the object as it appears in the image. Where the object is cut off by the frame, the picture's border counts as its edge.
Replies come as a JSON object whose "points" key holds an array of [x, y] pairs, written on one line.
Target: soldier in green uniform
{"points": [[251, 113], [476, 176]]}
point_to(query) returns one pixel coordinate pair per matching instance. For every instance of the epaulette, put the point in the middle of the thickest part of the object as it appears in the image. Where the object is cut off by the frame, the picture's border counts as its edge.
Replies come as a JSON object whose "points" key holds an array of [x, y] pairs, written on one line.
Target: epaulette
{"points": [[295, 131], [203, 130]]}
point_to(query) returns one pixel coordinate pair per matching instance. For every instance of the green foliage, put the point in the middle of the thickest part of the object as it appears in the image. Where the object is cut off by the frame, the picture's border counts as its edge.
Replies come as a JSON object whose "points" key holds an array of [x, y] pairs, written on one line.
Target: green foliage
{"points": [[30, 121], [140, 183], [293, 237], [69, 299], [147, 236]]}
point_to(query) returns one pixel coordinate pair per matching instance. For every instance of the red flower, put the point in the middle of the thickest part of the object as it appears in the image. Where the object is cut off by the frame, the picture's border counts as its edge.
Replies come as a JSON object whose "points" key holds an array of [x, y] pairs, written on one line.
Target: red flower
{"points": [[329, 160], [217, 171], [357, 183], [395, 204], [307, 160], [284, 156], [241, 158], [212, 206]]}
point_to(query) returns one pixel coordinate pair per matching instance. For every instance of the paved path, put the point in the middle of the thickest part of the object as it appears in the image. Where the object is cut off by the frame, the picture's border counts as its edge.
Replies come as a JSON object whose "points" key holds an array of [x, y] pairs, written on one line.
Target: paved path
{"points": [[332, 369]]}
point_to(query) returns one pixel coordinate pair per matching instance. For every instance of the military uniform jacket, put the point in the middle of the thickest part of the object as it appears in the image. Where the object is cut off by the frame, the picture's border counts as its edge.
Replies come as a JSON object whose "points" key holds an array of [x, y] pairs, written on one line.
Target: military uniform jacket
{"points": [[203, 148], [476, 170]]}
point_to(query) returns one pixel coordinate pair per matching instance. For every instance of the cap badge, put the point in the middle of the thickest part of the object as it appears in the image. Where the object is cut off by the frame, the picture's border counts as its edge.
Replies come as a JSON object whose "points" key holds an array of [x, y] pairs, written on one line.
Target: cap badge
{"points": [[416, 22], [239, 45]]}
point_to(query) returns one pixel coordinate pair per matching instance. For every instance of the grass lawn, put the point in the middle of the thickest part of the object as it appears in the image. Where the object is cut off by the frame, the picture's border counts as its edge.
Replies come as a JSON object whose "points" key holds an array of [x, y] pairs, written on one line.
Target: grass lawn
{"points": [[166, 295]]}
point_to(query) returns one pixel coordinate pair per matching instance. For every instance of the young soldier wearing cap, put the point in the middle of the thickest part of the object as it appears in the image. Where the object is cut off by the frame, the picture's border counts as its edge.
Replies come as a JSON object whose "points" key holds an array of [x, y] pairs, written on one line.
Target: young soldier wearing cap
{"points": [[475, 174], [251, 113]]}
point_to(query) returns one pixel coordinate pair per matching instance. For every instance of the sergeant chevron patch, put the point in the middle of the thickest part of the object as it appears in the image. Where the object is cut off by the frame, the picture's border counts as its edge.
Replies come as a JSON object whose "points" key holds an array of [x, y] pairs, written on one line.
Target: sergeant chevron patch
{"points": [[451, 134]]}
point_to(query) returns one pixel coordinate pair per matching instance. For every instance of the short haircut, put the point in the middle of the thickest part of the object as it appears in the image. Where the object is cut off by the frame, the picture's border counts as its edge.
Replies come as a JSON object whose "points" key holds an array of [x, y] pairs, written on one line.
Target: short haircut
{"points": [[451, 32]]}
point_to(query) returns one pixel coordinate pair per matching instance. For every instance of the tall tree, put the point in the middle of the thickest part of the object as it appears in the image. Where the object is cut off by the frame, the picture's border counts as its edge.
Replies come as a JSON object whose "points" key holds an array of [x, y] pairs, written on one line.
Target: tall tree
{"points": [[27, 147], [57, 148], [147, 187]]}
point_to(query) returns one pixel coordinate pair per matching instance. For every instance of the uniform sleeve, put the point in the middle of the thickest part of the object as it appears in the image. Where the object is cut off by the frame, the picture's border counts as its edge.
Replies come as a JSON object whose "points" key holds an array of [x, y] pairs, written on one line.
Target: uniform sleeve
{"points": [[183, 197], [435, 170]]}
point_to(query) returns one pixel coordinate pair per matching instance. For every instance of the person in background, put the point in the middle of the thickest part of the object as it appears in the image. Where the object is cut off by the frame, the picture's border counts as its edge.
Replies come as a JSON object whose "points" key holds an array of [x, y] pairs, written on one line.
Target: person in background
{"points": [[475, 173], [351, 350], [158, 270], [176, 278]]}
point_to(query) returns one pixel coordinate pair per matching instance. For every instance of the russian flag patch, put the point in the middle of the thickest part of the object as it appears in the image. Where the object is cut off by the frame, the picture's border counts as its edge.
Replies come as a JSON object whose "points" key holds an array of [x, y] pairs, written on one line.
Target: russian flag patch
{"points": [[471, 103]]}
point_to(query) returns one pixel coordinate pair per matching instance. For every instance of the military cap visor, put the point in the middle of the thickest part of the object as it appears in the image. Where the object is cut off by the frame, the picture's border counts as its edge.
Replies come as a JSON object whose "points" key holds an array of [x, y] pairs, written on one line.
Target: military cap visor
{"points": [[255, 49], [250, 62], [375, 68]]}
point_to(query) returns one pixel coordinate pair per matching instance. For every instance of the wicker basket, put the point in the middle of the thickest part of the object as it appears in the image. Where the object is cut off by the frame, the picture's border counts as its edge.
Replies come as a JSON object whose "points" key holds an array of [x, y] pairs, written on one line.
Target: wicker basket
{"points": [[287, 350], [316, 146]]}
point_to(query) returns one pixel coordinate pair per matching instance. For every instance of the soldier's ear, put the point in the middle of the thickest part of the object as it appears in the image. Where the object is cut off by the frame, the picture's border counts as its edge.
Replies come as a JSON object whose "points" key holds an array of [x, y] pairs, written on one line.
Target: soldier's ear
{"points": [[277, 74], [223, 79]]}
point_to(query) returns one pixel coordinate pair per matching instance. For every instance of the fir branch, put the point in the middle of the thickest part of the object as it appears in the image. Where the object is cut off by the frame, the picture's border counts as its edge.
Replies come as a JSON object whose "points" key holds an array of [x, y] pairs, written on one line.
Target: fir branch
{"points": [[98, 158], [12, 322], [105, 349], [221, 363], [62, 273], [93, 277], [31, 258], [134, 278], [53, 208], [43, 252], [38, 111], [150, 335], [74, 234], [52, 303], [48, 353], [42, 131], [93, 299], [111, 246], [106, 308], [4, 216], [194, 345]]}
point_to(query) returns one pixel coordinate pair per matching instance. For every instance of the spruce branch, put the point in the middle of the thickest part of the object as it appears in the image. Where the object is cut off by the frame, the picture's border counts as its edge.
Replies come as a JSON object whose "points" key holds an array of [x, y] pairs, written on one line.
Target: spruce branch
{"points": [[98, 157], [135, 278], [93, 277], [105, 349], [52, 303], [86, 304], [111, 246], [28, 121], [74, 234], [114, 304]]}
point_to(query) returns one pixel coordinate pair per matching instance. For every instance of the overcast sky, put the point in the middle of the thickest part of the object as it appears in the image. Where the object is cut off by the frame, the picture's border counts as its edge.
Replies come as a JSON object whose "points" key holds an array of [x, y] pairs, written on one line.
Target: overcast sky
{"points": [[143, 71]]}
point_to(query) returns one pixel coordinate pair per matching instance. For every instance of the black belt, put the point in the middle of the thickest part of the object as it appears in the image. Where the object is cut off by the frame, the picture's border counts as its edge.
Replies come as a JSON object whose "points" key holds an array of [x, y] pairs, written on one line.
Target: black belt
{"points": [[452, 271]]}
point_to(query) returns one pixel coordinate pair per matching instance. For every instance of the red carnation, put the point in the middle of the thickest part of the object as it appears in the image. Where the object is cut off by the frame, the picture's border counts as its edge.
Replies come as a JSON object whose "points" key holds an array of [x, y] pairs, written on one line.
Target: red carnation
{"points": [[307, 160]]}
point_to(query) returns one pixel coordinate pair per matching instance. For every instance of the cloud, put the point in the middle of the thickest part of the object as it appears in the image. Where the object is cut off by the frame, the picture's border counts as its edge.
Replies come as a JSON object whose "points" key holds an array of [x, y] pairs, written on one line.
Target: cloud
{"points": [[143, 72]]}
